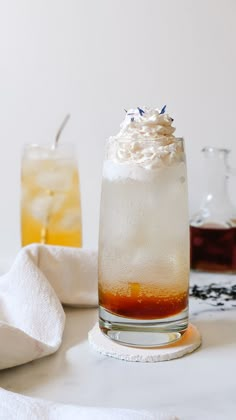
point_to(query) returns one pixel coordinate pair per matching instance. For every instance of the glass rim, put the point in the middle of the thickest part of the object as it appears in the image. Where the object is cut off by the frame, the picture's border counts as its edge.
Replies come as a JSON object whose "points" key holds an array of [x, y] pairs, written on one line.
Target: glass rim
{"points": [[211, 149], [46, 151], [146, 140], [48, 145]]}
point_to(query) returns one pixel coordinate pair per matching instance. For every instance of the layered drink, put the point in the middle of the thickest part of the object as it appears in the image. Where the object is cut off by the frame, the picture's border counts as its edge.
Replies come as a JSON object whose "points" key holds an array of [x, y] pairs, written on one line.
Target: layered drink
{"points": [[144, 232]]}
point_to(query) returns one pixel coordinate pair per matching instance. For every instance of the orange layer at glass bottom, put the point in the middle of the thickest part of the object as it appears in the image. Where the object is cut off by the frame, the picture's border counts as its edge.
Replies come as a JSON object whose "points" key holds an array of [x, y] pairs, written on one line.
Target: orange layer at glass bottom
{"points": [[140, 305]]}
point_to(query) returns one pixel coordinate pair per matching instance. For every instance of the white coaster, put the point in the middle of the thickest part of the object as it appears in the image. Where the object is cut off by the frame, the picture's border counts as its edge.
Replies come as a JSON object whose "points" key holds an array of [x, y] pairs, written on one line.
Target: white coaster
{"points": [[189, 342]]}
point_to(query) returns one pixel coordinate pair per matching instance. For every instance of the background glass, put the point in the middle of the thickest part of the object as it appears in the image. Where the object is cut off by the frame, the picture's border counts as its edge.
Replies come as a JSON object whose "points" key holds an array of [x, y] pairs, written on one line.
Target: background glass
{"points": [[144, 244], [50, 200]]}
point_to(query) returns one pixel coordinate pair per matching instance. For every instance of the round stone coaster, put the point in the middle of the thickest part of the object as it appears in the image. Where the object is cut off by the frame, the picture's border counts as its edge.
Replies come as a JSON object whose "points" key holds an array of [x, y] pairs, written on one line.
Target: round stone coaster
{"points": [[189, 342]]}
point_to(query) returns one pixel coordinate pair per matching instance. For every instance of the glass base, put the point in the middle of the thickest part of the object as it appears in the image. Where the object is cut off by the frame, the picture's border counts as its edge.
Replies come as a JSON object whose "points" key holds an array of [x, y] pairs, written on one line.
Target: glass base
{"points": [[143, 333]]}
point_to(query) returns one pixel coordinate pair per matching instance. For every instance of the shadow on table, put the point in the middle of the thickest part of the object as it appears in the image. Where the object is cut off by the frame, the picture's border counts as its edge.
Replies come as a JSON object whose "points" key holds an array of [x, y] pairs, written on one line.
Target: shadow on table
{"points": [[217, 333], [53, 367]]}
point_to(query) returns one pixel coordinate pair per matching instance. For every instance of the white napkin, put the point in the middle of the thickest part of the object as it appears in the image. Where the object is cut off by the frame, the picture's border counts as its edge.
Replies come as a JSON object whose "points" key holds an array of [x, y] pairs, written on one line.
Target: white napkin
{"points": [[18, 407], [32, 323], [31, 316]]}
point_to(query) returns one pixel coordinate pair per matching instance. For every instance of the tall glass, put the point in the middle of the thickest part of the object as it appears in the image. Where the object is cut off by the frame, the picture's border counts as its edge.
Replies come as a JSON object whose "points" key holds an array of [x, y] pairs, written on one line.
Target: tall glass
{"points": [[50, 200], [144, 243]]}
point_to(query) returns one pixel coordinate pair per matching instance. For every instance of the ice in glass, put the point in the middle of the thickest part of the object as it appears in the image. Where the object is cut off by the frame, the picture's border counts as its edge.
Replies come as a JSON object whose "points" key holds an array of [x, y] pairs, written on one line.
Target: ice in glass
{"points": [[144, 233], [50, 202]]}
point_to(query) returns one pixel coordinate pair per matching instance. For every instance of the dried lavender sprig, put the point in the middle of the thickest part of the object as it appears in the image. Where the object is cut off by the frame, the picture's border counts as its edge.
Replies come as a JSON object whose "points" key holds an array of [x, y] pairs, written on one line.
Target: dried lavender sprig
{"points": [[163, 110], [141, 111]]}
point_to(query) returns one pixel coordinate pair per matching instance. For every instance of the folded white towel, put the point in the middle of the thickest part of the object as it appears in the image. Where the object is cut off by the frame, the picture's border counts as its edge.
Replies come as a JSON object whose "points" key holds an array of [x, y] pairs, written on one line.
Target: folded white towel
{"points": [[32, 323], [14, 406], [31, 316]]}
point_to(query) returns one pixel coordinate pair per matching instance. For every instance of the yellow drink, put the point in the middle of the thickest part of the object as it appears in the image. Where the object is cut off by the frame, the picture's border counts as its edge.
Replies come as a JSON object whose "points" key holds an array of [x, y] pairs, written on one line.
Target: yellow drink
{"points": [[50, 204]]}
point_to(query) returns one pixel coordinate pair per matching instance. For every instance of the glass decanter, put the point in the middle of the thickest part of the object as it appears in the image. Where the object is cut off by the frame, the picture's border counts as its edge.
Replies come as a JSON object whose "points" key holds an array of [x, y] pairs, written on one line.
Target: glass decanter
{"points": [[213, 227]]}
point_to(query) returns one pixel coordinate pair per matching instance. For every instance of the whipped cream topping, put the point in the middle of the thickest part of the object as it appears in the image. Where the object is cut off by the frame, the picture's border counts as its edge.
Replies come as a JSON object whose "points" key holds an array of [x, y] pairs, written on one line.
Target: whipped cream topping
{"points": [[146, 123], [146, 138]]}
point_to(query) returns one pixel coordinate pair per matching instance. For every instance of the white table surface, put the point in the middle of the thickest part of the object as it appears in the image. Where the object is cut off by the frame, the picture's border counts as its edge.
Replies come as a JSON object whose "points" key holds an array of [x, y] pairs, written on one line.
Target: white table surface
{"points": [[198, 386]]}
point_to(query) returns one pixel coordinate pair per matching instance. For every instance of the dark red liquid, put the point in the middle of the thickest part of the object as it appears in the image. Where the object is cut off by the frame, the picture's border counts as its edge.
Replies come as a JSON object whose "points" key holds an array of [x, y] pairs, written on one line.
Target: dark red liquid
{"points": [[213, 249]]}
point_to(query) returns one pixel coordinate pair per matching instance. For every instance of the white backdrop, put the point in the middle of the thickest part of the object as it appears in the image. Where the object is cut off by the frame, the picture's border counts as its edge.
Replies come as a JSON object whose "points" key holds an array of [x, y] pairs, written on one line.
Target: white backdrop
{"points": [[93, 58]]}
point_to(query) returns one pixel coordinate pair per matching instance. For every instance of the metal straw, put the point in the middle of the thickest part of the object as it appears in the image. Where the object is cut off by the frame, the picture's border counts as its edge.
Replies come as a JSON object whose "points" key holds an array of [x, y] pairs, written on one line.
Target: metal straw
{"points": [[60, 129], [44, 229]]}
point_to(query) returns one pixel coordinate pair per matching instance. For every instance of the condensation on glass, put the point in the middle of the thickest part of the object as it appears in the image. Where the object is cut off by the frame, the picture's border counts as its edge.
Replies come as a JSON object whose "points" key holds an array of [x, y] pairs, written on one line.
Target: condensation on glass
{"points": [[144, 243]]}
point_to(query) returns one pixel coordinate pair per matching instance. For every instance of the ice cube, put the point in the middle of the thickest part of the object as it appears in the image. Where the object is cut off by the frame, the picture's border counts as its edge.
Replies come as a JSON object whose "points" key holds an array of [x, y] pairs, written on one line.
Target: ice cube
{"points": [[40, 207], [57, 202], [70, 219], [58, 180], [30, 167], [44, 206]]}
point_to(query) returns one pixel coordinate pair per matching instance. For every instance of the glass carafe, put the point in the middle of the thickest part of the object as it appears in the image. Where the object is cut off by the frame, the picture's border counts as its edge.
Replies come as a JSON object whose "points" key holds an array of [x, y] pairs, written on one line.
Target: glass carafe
{"points": [[213, 228]]}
